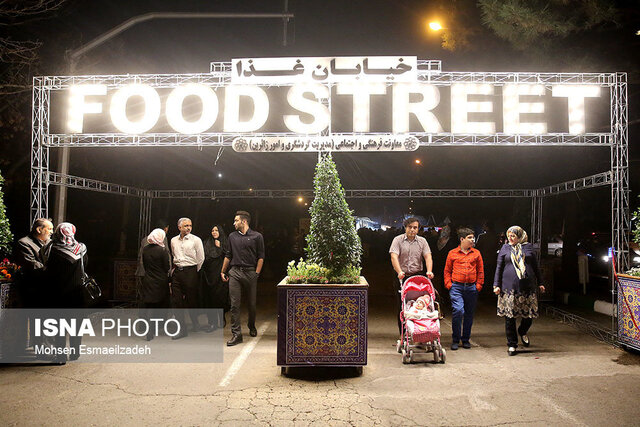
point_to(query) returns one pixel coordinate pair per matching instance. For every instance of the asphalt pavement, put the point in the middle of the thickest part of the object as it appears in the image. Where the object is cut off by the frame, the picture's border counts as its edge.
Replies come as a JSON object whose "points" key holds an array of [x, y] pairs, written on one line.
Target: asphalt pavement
{"points": [[565, 378]]}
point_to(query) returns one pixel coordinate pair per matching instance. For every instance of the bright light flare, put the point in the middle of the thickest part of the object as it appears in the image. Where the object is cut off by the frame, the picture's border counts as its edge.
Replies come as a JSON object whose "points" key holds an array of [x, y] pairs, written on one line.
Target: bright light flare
{"points": [[435, 26], [418, 161], [300, 199]]}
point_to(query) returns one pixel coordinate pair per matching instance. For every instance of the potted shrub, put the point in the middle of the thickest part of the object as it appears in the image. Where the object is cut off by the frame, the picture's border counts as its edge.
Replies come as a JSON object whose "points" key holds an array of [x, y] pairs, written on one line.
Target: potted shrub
{"points": [[7, 269], [629, 297], [323, 301]]}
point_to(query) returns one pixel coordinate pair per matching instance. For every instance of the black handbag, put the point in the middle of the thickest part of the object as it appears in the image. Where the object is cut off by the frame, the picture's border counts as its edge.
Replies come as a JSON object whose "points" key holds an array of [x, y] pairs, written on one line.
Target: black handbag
{"points": [[89, 284]]}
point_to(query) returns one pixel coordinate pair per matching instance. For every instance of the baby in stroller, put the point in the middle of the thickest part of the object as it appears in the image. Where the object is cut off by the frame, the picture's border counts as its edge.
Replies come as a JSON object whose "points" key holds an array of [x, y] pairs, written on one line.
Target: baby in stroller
{"points": [[422, 308], [421, 320]]}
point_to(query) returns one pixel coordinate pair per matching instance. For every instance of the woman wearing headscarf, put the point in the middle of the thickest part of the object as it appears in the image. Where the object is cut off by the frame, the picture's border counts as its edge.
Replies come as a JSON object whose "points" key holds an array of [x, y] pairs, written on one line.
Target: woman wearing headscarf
{"points": [[517, 272], [66, 259], [215, 292], [155, 283]]}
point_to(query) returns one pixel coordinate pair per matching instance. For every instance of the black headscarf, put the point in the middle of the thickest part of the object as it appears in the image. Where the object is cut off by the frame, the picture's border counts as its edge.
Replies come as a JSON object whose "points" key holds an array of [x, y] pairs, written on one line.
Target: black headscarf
{"points": [[210, 248]]}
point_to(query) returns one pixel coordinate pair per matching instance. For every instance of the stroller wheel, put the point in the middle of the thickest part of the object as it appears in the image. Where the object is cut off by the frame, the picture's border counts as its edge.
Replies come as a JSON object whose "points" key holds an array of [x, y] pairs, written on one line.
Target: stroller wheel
{"points": [[405, 359], [410, 356], [399, 346], [443, 355], [436, 356]]}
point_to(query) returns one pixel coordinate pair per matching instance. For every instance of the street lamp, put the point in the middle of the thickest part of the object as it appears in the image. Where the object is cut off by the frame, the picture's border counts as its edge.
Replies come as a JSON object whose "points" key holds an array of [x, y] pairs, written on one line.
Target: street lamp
{"points": [[60, 208], [435, 26]]}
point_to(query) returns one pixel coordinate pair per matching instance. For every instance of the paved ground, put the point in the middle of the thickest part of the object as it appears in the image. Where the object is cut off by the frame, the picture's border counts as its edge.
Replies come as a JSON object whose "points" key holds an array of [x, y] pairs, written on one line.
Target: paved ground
{"points": [[565, 378]]}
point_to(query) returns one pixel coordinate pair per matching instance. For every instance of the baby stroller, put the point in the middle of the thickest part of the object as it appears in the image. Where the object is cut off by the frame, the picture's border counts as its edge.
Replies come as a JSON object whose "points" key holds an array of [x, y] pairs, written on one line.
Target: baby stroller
{"points": [[420, 335]]}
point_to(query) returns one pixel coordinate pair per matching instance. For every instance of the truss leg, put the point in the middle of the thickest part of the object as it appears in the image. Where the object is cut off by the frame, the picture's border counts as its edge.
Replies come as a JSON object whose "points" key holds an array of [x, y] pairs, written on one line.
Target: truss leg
{"points": [[39, 153]]}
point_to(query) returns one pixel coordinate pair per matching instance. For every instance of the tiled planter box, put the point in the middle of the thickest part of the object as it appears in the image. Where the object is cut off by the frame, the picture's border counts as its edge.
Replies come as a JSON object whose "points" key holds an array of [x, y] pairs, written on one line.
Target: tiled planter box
{"points": [[628, 332], [322, 325]]}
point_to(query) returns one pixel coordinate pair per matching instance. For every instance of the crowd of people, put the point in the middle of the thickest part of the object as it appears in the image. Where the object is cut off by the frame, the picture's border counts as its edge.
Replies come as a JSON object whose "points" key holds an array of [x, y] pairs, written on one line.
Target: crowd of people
{"points": [[190, 274], [183, 273], [516, 277]]}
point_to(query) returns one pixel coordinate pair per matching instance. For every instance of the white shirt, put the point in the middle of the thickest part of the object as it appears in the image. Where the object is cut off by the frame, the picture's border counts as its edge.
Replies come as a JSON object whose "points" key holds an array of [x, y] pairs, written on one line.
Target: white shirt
{"points": [[187, 251]]}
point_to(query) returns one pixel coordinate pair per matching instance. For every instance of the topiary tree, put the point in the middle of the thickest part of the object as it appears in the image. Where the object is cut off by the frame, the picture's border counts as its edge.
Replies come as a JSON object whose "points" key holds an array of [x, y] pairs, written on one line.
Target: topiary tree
{"points": [[5, 232], [332, 241]]}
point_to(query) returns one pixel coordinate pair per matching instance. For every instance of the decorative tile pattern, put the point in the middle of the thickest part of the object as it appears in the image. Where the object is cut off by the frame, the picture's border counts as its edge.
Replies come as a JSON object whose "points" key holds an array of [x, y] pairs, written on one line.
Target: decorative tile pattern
{"points": [[8, 295], [324, 326], [628, 332]]}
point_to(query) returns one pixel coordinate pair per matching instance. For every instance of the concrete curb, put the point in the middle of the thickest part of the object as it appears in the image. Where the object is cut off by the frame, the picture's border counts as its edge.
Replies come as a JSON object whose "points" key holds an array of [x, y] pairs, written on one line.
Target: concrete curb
{"points": [[589, 303]]}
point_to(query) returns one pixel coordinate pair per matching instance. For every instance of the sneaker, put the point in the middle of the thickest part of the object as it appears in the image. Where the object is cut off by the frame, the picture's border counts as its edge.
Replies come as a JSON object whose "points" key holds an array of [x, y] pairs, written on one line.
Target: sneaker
{"points": [[454, 346], [512, 351], [525, 340], [466, 345], [253, 332]]}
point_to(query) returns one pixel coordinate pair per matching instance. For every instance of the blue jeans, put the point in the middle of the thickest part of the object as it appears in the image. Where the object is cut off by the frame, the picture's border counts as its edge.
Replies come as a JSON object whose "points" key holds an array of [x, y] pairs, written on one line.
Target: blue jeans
{"points": [[463, 304]]}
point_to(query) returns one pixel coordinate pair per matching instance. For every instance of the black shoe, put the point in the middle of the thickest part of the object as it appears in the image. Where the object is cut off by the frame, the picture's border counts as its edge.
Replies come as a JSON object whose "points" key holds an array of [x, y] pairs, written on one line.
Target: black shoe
{"points": [[454, 346], [511, 351], [210, 328], [466, 345], [180, 335], [236, 339], [253, 332], [525, 340]]}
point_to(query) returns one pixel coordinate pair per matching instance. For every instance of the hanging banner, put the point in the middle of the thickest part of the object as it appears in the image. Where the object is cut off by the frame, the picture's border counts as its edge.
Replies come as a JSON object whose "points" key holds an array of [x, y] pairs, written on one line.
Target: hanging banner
{"points": [[288, 144]]}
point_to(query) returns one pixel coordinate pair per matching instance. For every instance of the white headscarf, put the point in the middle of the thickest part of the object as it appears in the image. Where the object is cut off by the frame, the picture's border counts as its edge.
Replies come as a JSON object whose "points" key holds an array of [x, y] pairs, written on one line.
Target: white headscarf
{"points": [[156, 237]]}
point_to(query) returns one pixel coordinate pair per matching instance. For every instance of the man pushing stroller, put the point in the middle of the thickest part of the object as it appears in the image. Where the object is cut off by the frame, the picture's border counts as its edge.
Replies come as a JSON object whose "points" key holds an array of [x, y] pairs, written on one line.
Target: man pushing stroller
{"points": [[407, 252]]}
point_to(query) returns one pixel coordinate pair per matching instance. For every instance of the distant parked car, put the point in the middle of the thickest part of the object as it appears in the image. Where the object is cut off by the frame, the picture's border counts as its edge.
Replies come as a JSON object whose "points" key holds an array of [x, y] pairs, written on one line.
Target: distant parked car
{"points": [[554, 246]]}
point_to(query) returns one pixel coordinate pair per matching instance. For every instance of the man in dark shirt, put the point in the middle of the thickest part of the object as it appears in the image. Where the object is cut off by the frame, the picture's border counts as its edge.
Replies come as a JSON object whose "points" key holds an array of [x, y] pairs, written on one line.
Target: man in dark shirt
{"points": [[244, 263]]}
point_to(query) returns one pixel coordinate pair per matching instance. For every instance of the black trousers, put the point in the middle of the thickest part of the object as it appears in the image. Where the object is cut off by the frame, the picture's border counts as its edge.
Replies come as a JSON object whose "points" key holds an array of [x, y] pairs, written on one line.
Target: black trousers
{"points": [[510, 327], [242, 281], [185, 293]]}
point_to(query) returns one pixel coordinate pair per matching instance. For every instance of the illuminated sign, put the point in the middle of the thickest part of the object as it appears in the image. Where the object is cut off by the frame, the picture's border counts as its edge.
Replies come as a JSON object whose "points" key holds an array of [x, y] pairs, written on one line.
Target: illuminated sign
{"points": [[315, 104]]}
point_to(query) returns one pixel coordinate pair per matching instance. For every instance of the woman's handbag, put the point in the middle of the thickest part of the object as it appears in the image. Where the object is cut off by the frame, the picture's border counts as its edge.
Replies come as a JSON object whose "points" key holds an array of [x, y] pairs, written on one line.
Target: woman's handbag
{"points": [[89, 284]]}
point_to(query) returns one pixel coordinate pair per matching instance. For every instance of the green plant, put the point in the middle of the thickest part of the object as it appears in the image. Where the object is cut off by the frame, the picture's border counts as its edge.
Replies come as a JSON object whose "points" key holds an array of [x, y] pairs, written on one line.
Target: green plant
{"points": [[304, 272], [6, 237], [635, 231], [333, 245], [635, 271]]}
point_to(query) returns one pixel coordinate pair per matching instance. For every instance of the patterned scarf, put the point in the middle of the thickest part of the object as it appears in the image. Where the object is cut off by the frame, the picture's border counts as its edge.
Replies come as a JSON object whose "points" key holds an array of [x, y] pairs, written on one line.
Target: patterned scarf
{"points": [[517, 259], [64, 239]]}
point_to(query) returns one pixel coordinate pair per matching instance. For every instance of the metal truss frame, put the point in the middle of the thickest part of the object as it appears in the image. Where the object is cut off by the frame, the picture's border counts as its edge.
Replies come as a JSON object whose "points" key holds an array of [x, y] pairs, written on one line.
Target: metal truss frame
{"points": [[584, 325]]}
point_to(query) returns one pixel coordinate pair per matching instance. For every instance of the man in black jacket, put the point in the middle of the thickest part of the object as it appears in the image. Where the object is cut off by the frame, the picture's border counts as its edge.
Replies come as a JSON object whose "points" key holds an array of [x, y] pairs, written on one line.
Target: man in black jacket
{"points": [[31, 260], [30, 280]]}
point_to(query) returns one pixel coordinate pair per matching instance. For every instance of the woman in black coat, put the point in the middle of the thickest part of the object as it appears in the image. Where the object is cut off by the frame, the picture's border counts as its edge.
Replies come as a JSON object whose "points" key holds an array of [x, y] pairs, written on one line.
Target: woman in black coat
{"points": [[155, 283], [515, 284], [65, 262], [215, 292]]}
